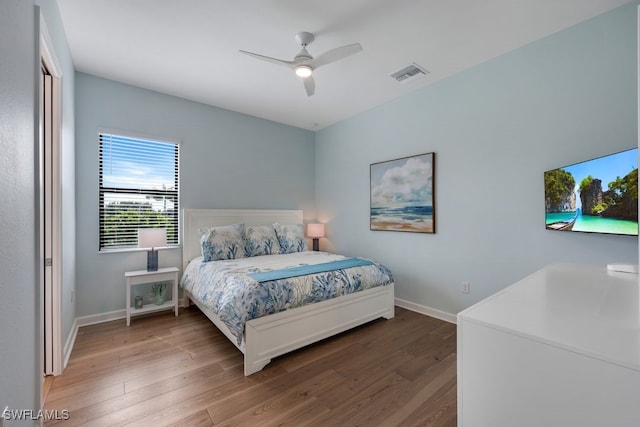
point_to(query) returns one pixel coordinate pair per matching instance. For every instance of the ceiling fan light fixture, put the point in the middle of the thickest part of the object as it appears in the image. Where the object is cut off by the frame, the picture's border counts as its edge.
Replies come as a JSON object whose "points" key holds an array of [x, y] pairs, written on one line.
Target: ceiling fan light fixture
{"points": [[303, 71], [303, 63]]}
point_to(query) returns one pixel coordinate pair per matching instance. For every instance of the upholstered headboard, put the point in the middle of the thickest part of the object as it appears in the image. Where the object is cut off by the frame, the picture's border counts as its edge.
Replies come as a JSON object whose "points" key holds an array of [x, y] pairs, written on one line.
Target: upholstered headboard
{"points": [[195, 220]]}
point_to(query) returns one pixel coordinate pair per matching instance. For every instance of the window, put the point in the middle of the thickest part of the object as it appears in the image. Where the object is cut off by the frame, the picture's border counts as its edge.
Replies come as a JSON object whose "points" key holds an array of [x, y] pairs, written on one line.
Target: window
{"points": [[138, 189]]}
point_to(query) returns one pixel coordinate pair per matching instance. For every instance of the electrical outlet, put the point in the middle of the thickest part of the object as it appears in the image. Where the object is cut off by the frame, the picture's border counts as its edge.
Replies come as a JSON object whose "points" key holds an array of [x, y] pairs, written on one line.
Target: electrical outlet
{"points": [[466, 287]]}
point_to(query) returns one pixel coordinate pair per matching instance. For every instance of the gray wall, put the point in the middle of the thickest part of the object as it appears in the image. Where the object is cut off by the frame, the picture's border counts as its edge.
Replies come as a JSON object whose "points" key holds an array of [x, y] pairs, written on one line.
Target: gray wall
{"points": [[228, 160], [495, 129], [20, 313]]}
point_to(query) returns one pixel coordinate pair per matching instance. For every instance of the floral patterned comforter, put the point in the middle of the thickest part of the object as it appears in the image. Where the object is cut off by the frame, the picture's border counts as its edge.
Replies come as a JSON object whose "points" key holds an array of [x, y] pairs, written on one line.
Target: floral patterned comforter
{"points": [[225, 287]]}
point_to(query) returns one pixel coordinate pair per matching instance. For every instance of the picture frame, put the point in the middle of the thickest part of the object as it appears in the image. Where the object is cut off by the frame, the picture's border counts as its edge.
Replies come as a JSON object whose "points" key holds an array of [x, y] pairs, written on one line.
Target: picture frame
{"points": [[402, 194]]}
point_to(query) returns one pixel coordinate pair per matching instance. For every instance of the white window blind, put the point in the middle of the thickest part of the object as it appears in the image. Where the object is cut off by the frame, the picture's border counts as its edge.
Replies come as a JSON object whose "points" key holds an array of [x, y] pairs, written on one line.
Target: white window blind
{"points": [[138, 189]]}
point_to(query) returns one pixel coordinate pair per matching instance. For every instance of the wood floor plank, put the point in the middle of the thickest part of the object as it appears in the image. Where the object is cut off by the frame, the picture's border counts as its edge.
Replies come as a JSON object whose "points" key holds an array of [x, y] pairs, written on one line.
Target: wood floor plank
{"points": [[148, 392], [184, 404], [312, 413], [302, 358], [199, 419], [439, 350], [46, 386], [82, 399], [211, 368], [420, 394], [116, 374], [364, 407], [273, 408], [181, 371], [438, 411]]}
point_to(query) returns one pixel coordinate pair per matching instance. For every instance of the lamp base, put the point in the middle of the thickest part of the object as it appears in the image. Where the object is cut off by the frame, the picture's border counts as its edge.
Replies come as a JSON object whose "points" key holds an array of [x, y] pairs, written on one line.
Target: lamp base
{"points": [[152, 260], [316, 244]]}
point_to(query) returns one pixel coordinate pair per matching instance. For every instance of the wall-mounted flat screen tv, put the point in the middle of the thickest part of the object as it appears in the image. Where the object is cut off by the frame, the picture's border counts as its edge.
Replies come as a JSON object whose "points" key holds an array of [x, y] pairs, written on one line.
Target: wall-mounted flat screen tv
{"points": [[596, 196]]}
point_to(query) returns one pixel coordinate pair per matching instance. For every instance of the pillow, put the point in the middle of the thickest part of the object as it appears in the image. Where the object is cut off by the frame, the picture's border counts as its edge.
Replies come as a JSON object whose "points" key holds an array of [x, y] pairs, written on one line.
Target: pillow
{"points": [[226, 242], [260, 240], [291, 238]]}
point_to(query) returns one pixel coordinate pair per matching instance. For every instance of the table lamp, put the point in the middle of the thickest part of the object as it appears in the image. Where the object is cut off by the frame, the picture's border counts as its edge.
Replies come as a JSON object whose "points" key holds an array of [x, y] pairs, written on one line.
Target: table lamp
{"points": [[315, 231], [152, 238]]}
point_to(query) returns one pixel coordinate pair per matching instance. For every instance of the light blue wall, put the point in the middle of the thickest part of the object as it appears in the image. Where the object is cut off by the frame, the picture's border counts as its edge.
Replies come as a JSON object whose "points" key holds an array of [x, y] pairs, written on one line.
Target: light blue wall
{"points": [[228, 160], [495, 129], [20, 312]]}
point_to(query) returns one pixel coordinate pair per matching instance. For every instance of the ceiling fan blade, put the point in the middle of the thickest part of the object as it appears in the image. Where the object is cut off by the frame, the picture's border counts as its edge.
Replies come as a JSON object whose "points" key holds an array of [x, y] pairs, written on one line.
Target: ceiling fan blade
{"points": [[268, 58], [309, 85], [336, 54]]}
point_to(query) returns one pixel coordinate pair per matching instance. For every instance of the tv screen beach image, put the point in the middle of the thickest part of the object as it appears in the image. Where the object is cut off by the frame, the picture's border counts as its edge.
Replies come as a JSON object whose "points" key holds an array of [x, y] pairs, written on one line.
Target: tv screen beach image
{"points": [[595, 196]]}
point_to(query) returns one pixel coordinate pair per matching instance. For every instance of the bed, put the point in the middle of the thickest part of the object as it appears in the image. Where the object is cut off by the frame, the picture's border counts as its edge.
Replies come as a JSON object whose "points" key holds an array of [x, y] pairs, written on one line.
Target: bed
{"points": [[266, 337]]}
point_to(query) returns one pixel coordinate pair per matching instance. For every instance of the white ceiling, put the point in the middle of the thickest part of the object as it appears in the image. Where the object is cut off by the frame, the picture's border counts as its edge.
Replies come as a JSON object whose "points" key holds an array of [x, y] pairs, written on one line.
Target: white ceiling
{"points": [[189, 48]]}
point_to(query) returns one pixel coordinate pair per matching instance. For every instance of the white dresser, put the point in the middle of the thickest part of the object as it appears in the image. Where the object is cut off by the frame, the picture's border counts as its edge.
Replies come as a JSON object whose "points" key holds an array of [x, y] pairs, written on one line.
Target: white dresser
{"points": [[559, 348]]}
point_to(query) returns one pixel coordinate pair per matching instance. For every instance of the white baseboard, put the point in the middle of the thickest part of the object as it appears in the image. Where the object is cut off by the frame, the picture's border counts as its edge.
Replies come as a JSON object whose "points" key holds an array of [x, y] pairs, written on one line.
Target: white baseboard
{"points": [[423, 309], [68, 346], [93, 319]]}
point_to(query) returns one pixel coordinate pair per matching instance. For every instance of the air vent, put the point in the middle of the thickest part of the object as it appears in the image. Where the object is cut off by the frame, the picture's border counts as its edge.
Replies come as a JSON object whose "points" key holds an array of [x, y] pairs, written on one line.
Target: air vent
{"points": [[412, 72]]}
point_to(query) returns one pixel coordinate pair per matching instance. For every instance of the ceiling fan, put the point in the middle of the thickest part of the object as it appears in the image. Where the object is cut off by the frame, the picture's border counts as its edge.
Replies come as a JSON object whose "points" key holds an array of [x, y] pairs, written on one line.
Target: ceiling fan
{"points": [[304, 64]]}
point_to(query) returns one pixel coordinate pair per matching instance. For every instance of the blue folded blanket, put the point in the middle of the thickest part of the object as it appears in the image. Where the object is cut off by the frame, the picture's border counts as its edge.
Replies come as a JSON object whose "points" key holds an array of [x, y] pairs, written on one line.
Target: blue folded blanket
{"points": [[302, 270]]}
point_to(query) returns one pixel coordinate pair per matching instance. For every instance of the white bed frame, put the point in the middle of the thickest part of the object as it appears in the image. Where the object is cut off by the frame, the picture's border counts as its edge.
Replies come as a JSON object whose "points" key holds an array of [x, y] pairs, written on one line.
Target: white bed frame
{"points": [[280, 333]]}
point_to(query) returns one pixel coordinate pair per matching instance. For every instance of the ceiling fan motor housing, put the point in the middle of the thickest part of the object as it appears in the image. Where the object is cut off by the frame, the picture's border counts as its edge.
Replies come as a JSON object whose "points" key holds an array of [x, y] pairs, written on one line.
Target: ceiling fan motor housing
{"points": [[304, 38]]}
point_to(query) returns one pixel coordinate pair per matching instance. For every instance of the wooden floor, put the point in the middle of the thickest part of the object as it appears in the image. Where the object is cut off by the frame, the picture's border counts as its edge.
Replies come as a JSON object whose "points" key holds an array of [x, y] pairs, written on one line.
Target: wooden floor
{"points": [[164, 370]]}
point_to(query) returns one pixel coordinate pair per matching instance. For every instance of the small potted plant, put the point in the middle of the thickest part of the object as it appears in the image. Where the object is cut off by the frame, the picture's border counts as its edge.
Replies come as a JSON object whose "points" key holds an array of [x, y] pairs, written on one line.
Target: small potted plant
{"points": [[158, 291]]}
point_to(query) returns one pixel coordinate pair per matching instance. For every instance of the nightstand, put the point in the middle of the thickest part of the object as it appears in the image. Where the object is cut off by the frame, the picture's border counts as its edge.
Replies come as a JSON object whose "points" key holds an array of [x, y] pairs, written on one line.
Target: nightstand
{"points": [[141, 277]]}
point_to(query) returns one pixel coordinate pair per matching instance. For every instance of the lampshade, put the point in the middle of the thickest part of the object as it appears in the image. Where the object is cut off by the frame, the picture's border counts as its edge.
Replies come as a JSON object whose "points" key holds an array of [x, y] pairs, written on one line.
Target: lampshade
{"points": [[315, 231], [304, 70], [152, 237]]}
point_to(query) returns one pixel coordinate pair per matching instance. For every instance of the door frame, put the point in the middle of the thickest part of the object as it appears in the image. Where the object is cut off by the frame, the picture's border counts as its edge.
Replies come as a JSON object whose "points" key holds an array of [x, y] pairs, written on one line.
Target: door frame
{"points": [[49, 59]]}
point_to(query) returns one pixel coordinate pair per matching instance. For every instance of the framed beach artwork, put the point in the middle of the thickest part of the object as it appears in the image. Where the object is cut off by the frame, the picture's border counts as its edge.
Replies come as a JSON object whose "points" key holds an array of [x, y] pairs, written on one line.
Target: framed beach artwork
{"points": [[402, 194]]}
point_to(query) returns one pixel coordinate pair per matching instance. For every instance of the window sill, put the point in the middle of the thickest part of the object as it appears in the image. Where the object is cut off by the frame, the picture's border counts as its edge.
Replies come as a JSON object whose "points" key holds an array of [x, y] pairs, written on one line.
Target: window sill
{"points": [[123, 250]]}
